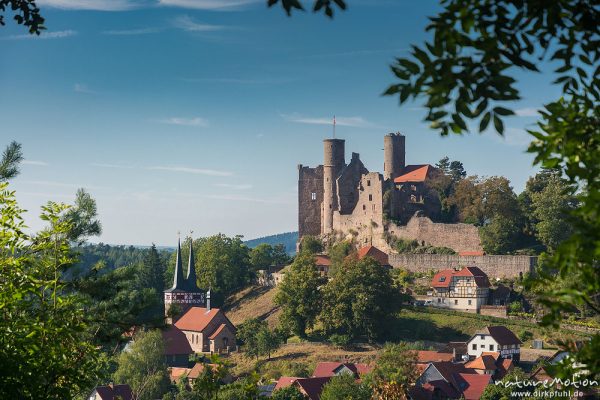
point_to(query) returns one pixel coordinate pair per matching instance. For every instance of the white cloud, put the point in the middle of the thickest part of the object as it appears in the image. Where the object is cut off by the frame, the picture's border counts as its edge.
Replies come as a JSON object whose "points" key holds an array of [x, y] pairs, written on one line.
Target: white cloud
{"points": [[189, 170], [132, 32], [355, 122], [234, 186], [215, 5], [99, 5], [527, 112], [82, 88], [33, 162], [104, 165], [62, 185], [239, 198], [196, 121], [46, 35], [188, 24]]}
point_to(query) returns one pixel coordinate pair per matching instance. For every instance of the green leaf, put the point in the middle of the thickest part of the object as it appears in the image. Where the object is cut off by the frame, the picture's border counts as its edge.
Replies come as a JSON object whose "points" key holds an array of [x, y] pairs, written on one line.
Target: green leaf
{"points": [[498, 124], [503, 111], [485, 121], [409, 65]]}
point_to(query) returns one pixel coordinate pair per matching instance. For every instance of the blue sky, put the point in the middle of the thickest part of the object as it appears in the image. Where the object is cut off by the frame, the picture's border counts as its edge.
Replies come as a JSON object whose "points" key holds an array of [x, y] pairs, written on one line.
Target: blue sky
{"points": [[182, 115]]}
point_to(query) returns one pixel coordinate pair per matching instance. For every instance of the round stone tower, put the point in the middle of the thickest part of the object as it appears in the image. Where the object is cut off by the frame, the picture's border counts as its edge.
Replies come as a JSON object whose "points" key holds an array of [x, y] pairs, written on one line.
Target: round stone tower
{"points": [[393, 155], [333, 163]]}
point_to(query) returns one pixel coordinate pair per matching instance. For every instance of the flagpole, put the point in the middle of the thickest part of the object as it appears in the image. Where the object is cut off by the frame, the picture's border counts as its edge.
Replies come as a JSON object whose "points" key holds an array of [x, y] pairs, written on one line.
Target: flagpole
{"points": [[334, 126]]}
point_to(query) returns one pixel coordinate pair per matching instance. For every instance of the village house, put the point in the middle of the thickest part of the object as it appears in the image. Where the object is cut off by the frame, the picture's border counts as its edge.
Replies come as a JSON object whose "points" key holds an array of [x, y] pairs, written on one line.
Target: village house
{"points": [[329, 369], [490, 363], [465, 290], [449, 380], [191, 374], [111, 392], [495, 339]]}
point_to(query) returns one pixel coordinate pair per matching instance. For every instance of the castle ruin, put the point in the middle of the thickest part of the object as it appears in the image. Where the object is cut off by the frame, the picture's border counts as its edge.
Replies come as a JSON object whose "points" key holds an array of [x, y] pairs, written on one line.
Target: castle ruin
{"points": [[347, 199]]}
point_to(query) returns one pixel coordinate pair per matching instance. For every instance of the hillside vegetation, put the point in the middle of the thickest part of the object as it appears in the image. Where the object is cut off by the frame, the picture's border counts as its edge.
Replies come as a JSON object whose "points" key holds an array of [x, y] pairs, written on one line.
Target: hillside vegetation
{"points": [[288, 239]]}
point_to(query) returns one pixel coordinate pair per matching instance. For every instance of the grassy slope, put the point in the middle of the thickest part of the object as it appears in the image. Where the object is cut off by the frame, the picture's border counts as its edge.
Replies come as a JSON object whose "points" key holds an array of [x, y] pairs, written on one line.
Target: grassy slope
{"points": [[252, 302]]}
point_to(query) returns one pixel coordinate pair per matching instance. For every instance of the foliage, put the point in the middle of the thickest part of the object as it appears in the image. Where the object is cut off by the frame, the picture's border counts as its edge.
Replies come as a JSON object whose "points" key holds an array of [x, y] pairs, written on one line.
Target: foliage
{"points": [[359, 300], [152, 276], [82, 217], [25, 12], [143, 366], [288, 393], [404, 246], [113, 257], [395, 364], [338, 253], [287, 239], [210, 380], [12, 155], [525, 335], [299, 295], [340, 340], [257, 338], [242, 389], [326, 5], [500, 392], [499, 236], [264, 256], [267, 341], [311, 245], [43, 332], [345, 387]]}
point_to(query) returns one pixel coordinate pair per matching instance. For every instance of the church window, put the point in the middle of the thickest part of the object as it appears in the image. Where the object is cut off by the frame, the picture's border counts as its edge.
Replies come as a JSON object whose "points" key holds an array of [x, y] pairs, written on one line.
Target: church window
{"points": [[313, 196]]}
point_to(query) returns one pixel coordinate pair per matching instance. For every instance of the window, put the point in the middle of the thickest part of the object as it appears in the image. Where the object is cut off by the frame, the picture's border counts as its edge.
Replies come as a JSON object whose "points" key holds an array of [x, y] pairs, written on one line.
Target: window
{"points": [[442, 278], [368, 183], [413, 188], [470, 302], [313, 196], [491, 347], [474, 346], [470, 290], [364, 207], [370, 197], [482, 337], [483, 346], [455, 302], [439, 300]]}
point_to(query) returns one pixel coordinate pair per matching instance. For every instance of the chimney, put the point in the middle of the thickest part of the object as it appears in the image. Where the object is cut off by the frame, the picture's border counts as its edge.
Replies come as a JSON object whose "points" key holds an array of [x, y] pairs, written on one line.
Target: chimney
{"points": [[208, 301], [454, 354]]}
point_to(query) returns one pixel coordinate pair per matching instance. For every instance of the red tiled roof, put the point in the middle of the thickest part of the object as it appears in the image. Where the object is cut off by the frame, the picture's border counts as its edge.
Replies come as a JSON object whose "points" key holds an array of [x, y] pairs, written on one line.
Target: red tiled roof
{"points": [[470, 253], [111, 392], [483, 362], [442, 386], [426, 356], [329, 369], [217, 331], [473, 385], [443, 278], [501, 334], [312, 387], [285, 381], [176, 342], [323, 260], [176, 372], [372, 251], [196, 319], [505, 365], [414, 173], [198, 368]]}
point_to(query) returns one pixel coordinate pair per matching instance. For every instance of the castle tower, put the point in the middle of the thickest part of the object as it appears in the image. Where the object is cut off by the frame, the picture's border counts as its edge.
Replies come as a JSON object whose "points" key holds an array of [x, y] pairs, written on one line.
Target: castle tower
{"points": [[393, 155], [334, 161]]}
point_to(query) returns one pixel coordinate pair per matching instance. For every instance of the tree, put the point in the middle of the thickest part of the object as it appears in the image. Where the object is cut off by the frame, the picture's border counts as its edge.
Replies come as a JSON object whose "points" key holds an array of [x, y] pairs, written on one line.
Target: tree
{"points": [[26, 13], [152, 276], [550, 208], [288, 393], [247, 335], [326, 5], [311, 245], [143, 366], [43, 329], [359, 300], [11, 157], [345, 387], [502, 392], [280, 255], [457, 171], [463, 73], [83, 217], [267, 341], [207, 385], [299, 295], [500, 235], [395, 369], [261, 257], [467, 200]]}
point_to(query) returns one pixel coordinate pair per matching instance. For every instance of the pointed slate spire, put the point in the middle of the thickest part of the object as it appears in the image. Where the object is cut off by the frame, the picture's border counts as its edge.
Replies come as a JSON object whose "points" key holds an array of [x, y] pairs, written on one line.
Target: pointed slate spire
{"points": [[178, 278], [191, 272]]}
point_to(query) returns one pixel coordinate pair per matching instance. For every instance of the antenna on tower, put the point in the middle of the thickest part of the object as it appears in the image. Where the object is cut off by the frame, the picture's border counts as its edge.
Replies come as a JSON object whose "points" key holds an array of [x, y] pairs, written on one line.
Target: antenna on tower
{"points": [[334, 126]]}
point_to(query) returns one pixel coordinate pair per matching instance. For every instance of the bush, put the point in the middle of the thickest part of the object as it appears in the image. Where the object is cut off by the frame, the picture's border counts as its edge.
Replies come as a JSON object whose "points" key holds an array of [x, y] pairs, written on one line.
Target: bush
{"points": [[340, 340], [525, 335]]}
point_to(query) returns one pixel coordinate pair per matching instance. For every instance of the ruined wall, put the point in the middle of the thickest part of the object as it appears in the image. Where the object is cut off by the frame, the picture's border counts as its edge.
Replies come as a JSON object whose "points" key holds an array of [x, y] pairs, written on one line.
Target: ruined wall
{"points": [[310, 198], [365, 222], [459, 237], [494, 311], [493, 266], [348, 183]]}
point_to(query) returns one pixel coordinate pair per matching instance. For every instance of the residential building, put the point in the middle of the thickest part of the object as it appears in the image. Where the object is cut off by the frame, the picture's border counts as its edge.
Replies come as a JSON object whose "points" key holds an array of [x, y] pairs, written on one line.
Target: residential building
{"points": [[465, 290], [111, 392], [373, 252], [329, 369], [495, 339], [207, 329]]}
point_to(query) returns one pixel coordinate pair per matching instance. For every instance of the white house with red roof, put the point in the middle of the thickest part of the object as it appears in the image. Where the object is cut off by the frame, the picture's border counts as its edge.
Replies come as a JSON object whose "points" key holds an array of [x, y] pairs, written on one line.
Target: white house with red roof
{"points": [[207, 329], [497, 339], [465, 290]]}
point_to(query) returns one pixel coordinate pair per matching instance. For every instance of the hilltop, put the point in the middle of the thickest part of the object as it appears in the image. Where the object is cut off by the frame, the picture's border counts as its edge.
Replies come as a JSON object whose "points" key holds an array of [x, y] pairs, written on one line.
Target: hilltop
{"points": [[288, 239]]}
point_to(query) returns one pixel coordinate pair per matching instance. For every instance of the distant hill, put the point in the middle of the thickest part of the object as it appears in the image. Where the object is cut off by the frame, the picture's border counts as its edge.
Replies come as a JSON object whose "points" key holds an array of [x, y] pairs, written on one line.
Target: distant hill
{"points": [[288, 239]]}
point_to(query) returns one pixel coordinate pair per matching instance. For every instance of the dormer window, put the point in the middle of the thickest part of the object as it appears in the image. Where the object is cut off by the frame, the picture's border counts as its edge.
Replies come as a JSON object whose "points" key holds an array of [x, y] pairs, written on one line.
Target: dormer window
{"points": [[442, 279]]}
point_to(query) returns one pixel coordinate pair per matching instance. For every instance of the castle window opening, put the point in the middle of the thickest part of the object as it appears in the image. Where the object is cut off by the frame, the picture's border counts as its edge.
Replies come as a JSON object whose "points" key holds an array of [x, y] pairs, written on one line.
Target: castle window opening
{"points": [[364, 207], [370, 197], [368, 183], [313, 196]]}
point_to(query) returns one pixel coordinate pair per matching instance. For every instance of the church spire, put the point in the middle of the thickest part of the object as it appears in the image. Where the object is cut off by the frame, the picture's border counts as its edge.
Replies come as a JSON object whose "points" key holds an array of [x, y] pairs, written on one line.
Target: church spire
{"points": [[178, 278], [191, 272]]}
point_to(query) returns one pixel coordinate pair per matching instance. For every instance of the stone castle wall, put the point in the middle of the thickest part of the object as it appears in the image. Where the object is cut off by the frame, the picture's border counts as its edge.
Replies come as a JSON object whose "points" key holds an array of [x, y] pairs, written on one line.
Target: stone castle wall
{"points": [[493, 266], [459, 237], [310, 199]]}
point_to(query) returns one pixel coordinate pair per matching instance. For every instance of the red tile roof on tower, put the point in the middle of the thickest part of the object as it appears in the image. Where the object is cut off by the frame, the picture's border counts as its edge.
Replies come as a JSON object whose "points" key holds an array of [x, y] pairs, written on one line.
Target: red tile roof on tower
{"points": [[323, 260], [443, 278], [473, 385], [372, 251], [196, 319], [175, 341], [328, 369], [414, 173], [501, 334]]}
